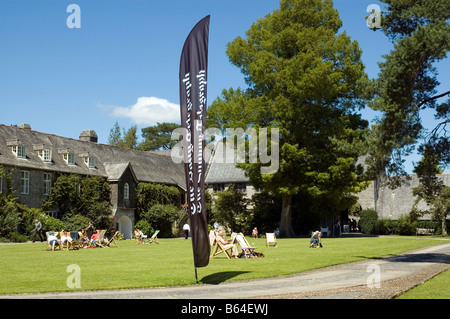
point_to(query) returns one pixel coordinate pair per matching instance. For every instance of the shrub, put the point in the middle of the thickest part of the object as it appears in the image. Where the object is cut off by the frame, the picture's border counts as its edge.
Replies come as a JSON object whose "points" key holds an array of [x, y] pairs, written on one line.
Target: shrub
{"points": [[406, 226], [162, 217], [51, 224], [18, 238], [387, 227], [369, 221], [76, 222], [9, 219]]}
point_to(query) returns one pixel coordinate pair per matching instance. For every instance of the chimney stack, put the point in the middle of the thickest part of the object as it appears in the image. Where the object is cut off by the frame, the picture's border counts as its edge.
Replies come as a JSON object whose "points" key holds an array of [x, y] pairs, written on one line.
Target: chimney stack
{"points": [[89, 136], [25, 126]]}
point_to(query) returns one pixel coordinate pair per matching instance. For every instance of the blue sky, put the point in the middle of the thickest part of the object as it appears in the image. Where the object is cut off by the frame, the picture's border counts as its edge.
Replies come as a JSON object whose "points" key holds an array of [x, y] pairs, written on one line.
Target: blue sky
{"points": [[122, 64]]}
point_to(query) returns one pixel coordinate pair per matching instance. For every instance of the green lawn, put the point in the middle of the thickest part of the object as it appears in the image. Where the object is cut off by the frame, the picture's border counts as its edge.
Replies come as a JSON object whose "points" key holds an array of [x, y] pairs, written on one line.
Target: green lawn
{"points": [[29, 268], [435, 288]]}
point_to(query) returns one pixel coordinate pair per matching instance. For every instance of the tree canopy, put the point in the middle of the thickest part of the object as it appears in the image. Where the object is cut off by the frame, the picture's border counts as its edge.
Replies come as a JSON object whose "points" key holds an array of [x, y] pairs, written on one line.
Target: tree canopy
{"points": [[407, 83], [306, 79]]}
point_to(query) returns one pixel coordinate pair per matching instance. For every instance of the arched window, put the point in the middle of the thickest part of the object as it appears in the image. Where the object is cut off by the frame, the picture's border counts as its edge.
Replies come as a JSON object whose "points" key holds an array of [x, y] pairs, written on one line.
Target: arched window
{"points": [[126, 191]]}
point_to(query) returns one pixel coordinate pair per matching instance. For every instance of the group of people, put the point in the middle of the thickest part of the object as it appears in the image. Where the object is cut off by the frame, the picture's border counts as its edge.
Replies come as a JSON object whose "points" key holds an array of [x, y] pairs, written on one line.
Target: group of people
{"points": [[65, 238], [88, 237]]}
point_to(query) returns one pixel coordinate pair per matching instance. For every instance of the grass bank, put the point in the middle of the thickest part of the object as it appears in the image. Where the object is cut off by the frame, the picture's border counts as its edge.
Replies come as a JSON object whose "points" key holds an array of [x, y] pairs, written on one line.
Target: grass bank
{"points": [[29, 268]]}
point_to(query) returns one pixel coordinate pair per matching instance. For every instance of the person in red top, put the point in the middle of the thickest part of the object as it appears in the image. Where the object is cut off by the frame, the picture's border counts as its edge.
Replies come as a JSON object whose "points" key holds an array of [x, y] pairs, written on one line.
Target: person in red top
{"points": [[94, 238]]}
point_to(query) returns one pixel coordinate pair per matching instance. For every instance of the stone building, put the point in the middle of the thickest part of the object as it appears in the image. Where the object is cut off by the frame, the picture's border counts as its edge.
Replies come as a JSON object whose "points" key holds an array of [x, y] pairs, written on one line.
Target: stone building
{"points": [[36, 159], [393, 203]]}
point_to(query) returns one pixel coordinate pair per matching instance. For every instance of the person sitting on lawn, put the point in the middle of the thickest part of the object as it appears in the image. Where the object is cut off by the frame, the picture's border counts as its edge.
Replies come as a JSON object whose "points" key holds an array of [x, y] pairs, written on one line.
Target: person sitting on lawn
{"points": [[226, 244], [53, 240], [315, 239], [95, 238], [83, 238], [66, 239], [138, 236]]}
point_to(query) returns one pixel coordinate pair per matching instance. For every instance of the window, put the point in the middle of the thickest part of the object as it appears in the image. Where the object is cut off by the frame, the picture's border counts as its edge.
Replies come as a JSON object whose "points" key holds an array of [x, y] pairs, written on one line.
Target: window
{"points": [[126, 191], [218, 187], [69, 158], [19, 151], [89, 161], [47, 183], [45, 155], [53, 214], [25, 182]]}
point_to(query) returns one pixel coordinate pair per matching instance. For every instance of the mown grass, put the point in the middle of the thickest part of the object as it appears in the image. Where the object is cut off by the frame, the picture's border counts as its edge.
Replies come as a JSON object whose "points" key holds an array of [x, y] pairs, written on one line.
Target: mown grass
{"points": [[29, 268], [435, 288]]}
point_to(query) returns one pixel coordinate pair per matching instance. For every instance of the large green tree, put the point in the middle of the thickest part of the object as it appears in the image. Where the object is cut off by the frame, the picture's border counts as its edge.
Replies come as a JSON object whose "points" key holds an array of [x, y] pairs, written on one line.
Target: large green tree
{"points": [[88, 196], [407, 83], [128, 140], [158, 137], [306, 79], [431, 189]]}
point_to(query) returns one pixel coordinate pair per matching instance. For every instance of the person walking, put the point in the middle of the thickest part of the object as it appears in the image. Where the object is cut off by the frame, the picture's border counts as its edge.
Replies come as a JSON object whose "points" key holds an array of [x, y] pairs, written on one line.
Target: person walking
{"points": [[186, 230], [37, 230]]}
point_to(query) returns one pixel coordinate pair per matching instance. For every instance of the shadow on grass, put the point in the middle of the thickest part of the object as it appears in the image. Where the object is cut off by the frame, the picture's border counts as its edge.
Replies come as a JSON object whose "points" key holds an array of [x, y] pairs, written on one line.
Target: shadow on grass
{"points": [[219, 277]]}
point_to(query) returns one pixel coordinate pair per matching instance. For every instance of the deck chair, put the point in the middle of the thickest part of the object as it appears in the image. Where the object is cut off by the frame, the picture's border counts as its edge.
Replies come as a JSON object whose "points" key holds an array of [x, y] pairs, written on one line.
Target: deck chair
{"points": [[112, 240], [247, 250], [217, 246], [58, 244], [68, 243], [271, 240], [154, 238], [101, 238], [325, 230]]}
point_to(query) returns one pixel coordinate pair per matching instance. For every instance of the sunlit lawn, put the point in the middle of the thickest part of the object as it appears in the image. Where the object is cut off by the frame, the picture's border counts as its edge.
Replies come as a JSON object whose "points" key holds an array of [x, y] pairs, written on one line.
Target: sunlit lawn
{"points": [[27, 268], [435, 288]]}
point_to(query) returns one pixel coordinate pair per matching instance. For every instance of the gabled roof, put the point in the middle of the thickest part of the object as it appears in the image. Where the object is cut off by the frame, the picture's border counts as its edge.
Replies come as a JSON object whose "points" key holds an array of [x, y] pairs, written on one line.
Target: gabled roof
{"points": [[115, 171], [109, 160]]}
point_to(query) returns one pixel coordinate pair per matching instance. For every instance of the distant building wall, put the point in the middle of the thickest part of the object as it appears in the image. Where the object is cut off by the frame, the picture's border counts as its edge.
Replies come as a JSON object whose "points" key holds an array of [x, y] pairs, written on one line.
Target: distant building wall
{"points": [[393, 203]]}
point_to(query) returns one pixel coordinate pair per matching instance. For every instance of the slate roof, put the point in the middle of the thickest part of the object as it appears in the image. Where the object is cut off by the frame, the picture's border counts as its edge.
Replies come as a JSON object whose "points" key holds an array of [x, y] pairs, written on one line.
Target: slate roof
{"points": [[219, 171], [110, 161]]}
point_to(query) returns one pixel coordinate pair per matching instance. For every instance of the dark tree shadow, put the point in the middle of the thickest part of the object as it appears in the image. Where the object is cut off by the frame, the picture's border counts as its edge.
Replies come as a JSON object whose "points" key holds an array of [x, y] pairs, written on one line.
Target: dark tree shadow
{"points": [[219, 277], [426, 257]]}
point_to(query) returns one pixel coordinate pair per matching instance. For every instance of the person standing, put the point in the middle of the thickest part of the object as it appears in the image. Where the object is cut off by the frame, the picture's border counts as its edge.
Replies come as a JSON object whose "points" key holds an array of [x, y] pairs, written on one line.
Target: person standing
{"points": [[37, 230], [186, 230]]}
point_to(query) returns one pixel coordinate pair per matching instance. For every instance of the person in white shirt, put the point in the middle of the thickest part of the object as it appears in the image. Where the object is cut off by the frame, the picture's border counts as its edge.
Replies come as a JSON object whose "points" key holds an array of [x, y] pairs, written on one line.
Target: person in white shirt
{"points": [[186, 230], [53, 240], [315, 239]]}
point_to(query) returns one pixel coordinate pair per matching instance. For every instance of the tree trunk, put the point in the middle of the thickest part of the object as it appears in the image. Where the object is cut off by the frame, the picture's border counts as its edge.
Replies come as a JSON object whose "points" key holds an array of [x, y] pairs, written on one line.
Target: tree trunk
{"points": [[444, 226], [286, 229]]}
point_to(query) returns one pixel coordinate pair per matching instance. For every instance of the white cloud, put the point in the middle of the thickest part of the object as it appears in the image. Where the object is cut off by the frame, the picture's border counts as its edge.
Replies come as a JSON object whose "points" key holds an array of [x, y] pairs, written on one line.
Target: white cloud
{"points": [[149, 111]]}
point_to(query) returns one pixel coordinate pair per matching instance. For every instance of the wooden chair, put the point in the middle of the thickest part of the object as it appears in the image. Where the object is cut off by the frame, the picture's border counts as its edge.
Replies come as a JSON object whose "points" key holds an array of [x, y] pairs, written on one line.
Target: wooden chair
{"points": [[112, 240], [271, 240], [50, 246], [217, 246], [69, 242], [154, 238], [101, 239], [246, 248]]}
